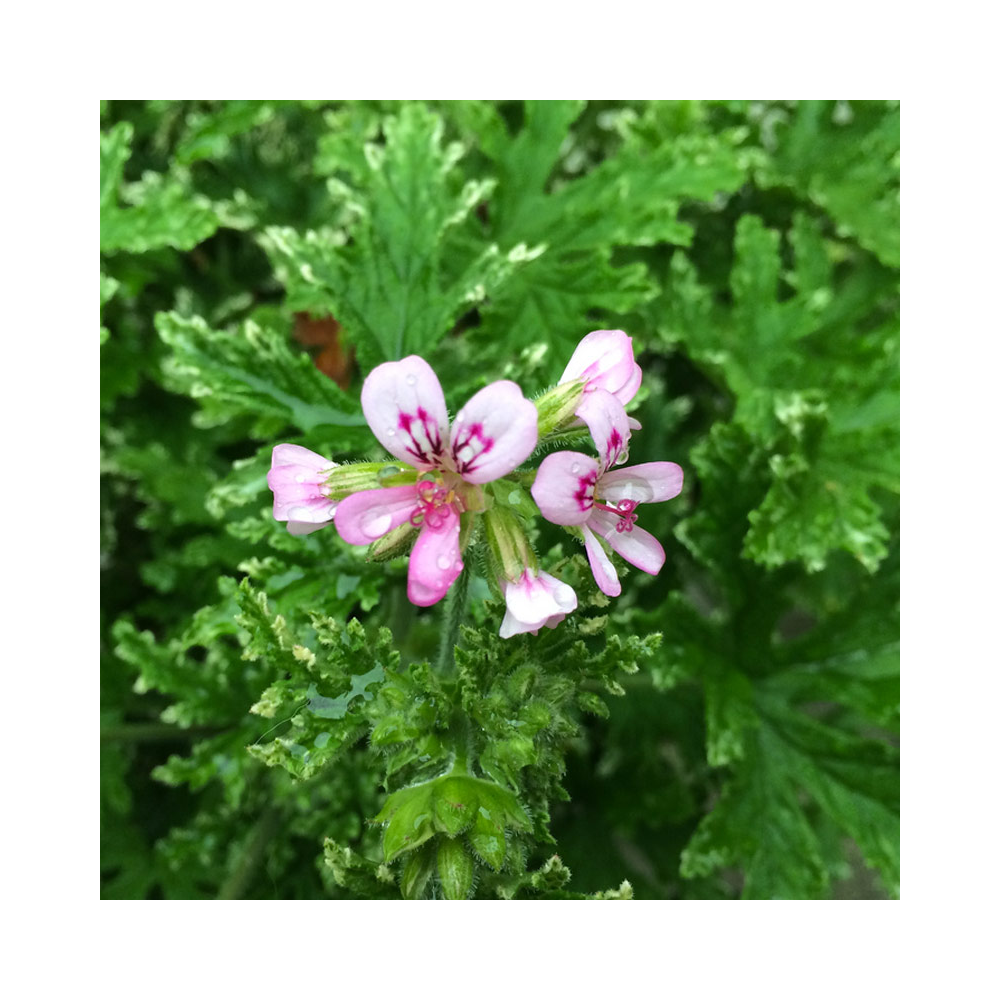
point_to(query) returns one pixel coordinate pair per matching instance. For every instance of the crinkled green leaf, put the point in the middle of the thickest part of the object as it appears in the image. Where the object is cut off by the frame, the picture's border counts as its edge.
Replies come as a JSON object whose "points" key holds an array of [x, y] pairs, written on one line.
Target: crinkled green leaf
{"points": [[253, 371], [845, 157], [385, 278]]}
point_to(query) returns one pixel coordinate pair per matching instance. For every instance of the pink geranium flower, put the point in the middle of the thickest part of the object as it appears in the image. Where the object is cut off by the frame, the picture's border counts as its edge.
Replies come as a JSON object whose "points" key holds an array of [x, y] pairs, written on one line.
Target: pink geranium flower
{"points": [[574, 489], [534, 601], [298, 480], [604, 360], [491, 436]]}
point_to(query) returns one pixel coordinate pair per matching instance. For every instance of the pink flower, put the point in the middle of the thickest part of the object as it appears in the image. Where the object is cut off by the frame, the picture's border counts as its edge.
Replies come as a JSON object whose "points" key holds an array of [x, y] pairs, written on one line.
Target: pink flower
{"points": [[298, 480], [492, 435], [534, 601], [572, 488], [604, 359]]}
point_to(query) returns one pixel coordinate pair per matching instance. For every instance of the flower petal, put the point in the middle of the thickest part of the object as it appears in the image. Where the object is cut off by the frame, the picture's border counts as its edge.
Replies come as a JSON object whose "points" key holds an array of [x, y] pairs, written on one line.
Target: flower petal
{"points": [[636, 546], [534, 601], [600, 565], [607, 420], [305, 509], [493, 433], [405, 408], [305, 528], [626, 393], [650, 482], [295, 454], [435, 562], [296, 479], [564, 487], [605, 360], [368, 515]]}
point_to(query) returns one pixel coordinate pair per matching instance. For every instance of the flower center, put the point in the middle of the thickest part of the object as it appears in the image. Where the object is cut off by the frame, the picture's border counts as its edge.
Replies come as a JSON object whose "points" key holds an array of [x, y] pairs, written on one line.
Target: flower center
{"points": [[625, 512], [434, 505]]}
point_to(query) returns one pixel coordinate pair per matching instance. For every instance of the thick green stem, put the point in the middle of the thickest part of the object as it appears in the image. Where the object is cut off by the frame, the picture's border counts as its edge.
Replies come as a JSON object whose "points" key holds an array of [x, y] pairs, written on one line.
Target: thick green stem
{"points": [[454, 612]]}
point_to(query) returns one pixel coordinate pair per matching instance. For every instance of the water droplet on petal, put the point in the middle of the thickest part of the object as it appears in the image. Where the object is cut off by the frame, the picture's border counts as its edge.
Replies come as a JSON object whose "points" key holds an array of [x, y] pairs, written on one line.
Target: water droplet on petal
{"points": [[391, 431], [300, 478], [411, 379], [375, 524], [575, 468], [443, 561]]}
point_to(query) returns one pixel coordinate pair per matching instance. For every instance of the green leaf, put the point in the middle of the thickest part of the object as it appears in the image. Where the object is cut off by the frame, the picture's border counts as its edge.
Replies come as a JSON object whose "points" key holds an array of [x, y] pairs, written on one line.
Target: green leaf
{"points": [[322, 689], [632, 198], [208, 134], [254, 372], [396, 284], [819, 499], [845, 157], [829, 448]]}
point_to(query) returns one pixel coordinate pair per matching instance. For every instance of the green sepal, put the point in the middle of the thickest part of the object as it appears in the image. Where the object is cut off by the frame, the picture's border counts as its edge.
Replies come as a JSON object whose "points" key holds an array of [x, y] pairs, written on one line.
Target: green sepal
{"points": [[448, 804], [394, 543], [508, 542], [557, 406], [357, 476], [454, 869]]}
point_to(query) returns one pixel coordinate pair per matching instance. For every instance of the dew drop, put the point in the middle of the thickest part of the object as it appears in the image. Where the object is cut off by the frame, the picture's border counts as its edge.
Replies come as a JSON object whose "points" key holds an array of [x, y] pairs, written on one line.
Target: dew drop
{"points": [[375, 524], [300, 478], [391, 431], [443, 561], [575, 468], [411, 379]]}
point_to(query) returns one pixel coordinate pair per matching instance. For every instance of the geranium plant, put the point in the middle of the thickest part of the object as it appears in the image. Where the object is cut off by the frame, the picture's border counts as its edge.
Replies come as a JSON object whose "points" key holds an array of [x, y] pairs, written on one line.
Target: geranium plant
{"points": [[500, 499]]}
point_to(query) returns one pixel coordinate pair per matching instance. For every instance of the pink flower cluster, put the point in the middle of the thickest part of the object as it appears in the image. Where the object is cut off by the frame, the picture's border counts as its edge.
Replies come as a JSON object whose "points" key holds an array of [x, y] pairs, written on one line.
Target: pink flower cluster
{"points": [[451, 461]]}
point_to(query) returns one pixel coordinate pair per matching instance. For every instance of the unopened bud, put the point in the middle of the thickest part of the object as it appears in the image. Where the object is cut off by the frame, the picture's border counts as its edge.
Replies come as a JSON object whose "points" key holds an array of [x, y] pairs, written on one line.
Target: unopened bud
{"points": [[454, 869]]}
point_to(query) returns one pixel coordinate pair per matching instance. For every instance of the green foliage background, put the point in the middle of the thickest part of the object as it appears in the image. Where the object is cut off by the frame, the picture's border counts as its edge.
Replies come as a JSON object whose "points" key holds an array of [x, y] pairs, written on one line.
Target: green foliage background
{"points": [[273, 707]]}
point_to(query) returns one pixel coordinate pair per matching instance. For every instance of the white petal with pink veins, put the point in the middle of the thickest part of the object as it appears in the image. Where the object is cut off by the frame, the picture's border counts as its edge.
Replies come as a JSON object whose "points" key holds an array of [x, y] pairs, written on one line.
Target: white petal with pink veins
{"points": [[493, 433], [636, 545], [650, 482], [564, 487], [535, 601], [605, 360], [405, 408], [607, 421], [600, 565]]}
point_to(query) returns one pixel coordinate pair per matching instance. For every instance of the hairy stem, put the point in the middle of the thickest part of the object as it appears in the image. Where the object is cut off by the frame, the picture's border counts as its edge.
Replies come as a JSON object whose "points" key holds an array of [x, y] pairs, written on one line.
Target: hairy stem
{"points": [[454, 612]]}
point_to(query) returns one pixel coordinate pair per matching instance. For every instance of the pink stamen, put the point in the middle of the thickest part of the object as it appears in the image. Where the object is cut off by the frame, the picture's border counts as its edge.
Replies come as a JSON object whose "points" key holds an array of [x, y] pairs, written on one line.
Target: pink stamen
{"points": [[625, 511], [434, 505]]}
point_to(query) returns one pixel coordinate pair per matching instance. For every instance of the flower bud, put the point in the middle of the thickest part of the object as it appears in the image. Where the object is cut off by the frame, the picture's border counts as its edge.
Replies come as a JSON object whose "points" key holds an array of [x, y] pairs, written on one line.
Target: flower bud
{"points": [[454, 869]]}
